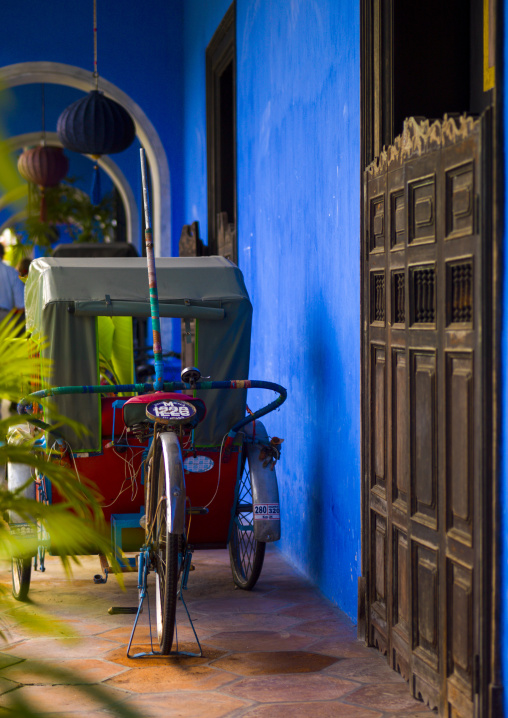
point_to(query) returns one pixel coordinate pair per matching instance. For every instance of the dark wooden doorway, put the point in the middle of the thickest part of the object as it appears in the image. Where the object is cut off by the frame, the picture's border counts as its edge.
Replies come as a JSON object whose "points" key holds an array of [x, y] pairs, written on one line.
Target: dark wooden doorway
{"points": [[428, 350], [221, 138]]}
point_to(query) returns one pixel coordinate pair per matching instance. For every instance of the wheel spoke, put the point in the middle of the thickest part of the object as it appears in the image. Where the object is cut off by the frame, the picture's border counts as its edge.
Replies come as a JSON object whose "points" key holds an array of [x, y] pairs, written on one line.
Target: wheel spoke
{"points": [[246, 553]]}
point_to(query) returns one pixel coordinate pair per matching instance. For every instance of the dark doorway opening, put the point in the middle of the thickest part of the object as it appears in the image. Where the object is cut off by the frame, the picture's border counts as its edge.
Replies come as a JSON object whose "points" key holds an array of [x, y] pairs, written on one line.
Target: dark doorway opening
{"points": [[432, 59], [221, 138], [423, 59]]}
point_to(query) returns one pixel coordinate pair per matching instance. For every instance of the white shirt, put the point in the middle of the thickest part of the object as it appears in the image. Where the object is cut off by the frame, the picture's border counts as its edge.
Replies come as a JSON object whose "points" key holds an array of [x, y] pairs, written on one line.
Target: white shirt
{"points": [[12, 289]]}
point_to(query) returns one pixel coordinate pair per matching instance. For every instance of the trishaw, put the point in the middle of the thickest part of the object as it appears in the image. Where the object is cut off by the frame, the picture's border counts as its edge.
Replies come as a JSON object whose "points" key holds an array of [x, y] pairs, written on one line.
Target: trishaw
{"points": [[179, 462]]}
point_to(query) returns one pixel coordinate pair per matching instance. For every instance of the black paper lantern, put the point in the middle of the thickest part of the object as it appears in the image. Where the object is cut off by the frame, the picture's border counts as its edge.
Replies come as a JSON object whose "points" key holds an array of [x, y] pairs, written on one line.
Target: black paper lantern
{"points": [[96, 125]]}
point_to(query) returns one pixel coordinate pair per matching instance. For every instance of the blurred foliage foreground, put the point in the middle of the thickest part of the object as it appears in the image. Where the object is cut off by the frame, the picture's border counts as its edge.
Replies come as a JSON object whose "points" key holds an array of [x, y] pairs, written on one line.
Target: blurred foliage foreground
{"points": [[73, 525]]}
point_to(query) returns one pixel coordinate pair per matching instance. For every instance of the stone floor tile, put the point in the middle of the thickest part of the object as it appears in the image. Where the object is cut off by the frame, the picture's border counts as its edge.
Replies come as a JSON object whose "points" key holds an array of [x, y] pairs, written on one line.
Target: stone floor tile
{"points": [[81, 714], [265, 663], [242, 621], [142, 634], [51, 649], [7, 660], [79, 628], [365, 670], [20, 618], [344, 647], [328, 709], [187, 705], [299, 687], [7, 685], [393, 697], [241, 602], [166, 678], [118, 656], [61, 699], [310, 611], [88, 670], [260, 641], [331, 626], [235, 627], [84, 628], [294, 595]]}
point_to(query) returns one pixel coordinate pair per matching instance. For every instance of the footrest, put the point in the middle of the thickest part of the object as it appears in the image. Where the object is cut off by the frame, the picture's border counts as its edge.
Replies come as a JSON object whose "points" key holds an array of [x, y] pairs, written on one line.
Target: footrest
{"points": [[123, 609], [197, 510]]}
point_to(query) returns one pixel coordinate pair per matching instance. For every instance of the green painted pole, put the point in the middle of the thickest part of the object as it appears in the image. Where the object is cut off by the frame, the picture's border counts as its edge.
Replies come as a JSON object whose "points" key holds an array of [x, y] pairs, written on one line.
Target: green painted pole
{"points": [[152, 282]]}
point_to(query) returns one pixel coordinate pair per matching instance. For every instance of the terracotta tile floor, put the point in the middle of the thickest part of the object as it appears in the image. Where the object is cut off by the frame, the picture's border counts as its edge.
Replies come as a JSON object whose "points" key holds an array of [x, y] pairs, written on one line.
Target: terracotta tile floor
{"points": [[280, 650]]}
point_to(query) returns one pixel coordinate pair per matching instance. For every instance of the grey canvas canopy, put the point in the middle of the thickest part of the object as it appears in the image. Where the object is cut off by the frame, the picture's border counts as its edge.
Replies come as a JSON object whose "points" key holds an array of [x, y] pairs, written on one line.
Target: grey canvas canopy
{"points": [[64, 296]]}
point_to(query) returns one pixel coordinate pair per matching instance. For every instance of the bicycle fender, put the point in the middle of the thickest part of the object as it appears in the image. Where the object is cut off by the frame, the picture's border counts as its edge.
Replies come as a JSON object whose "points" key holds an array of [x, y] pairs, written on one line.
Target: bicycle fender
{"points": [[265, 491], [175, 482]]}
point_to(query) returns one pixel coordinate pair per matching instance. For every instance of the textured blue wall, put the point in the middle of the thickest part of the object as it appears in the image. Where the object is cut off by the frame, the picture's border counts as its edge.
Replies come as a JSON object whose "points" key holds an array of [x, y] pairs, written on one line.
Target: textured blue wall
{"points": [[140, 49], [298, 102]]}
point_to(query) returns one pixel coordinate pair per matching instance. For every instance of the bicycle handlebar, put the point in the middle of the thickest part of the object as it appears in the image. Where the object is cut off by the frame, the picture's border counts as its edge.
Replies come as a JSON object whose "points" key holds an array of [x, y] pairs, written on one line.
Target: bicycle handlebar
{"points": [[167, 386]]}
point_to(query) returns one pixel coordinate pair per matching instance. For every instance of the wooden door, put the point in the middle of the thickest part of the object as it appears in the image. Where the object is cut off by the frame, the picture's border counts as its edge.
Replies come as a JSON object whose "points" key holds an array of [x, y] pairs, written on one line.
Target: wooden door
{"points": [[423, 269]]}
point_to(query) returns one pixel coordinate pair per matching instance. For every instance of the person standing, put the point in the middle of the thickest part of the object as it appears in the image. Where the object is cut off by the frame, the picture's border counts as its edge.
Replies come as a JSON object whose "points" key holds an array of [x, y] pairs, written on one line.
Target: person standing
{"points": [[12, 290]]}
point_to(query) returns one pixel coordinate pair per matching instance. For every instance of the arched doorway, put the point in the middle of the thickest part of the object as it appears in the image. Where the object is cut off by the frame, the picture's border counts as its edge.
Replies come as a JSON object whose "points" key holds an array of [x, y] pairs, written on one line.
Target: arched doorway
{"points": [[25, 73], [106, 164]]}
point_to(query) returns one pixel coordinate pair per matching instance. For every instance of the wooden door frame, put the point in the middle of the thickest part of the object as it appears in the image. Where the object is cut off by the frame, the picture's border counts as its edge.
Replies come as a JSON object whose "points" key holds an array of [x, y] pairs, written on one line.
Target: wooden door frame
{"points": [[377, 130]]}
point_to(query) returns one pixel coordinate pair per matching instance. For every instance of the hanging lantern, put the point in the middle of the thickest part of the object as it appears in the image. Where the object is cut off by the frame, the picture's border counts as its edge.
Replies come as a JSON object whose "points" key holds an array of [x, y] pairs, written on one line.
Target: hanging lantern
{"points": [[96, 125], [44, 166]]}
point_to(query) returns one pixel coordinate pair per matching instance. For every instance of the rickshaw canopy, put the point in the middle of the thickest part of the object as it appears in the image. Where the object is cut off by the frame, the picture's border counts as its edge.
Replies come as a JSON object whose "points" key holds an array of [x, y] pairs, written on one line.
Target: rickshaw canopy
{"points": [[65, 296]]}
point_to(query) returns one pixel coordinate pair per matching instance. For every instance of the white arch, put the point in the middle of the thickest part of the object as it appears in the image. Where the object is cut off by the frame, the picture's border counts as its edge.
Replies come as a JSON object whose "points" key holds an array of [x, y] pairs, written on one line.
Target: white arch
{"points": [[26, 73], [109, 167]]}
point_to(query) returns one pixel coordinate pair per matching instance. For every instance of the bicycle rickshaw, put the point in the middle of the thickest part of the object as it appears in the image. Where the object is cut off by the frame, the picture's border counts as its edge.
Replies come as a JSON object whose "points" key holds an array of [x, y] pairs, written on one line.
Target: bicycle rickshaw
{"points": [[182, 460]]}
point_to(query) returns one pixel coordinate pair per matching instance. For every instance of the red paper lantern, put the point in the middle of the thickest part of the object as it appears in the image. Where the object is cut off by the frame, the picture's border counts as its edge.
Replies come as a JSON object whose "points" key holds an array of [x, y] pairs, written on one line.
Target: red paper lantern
{"points": [[44, 166]]}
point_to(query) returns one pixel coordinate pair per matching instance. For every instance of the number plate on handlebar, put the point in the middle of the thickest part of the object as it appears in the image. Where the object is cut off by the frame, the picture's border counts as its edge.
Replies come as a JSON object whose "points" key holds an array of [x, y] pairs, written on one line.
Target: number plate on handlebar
{"points": [[170, 412]]}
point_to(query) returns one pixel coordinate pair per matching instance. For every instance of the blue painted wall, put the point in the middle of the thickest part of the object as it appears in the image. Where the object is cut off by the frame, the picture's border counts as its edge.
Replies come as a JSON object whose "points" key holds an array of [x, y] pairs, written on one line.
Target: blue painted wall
{"points": [[298, 119], [140, 49]]}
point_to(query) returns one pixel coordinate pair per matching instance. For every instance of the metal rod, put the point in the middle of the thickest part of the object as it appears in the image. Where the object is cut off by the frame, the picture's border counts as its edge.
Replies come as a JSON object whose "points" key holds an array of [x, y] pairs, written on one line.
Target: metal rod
{"points": [[95, 72], [146, 201], [43, 116], [119, 308], [152, 282]]}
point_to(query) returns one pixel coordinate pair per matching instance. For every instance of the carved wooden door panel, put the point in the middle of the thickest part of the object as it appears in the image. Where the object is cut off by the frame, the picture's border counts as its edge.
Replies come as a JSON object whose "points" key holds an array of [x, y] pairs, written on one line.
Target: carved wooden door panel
{"points": [[422, 268]]}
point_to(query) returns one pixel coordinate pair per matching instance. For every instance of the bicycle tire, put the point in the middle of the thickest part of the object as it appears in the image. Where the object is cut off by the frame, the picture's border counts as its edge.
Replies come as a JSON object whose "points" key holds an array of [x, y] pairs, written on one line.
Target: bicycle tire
{"points": [[246, 554], [166, 587], [165, 548], [21, 575]]}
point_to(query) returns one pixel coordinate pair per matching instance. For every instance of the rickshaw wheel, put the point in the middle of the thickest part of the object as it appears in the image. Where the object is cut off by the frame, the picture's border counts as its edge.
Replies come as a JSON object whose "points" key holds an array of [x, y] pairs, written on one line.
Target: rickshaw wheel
{"points": [[165, 547], [166, 580], [21, 574], [246, 555]]}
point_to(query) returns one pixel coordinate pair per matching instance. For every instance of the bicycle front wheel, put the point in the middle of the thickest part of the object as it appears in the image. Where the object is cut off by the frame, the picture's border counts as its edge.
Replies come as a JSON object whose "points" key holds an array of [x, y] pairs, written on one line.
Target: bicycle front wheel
{"points": [[166, 580], [246, 554], [164, 544]]}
